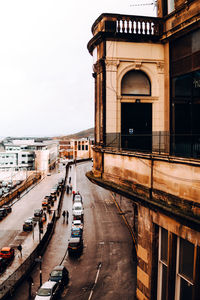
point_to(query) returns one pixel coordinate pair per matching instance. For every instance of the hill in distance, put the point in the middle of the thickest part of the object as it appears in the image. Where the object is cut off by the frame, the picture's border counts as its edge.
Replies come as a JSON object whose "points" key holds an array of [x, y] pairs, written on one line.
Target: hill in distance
{"points": [[79, 135]]}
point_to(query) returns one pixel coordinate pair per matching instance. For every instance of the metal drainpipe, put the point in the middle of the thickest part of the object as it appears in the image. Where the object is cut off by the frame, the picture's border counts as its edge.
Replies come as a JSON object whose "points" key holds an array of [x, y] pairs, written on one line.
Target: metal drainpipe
{"points": [[151, 187]]}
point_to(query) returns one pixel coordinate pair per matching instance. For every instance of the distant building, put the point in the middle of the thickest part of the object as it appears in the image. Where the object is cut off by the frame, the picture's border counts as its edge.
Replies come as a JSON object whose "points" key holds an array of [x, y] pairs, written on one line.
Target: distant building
{"points": [[17, 160], [29, 153], [76, 148], [65, 149], [82, 148], [147, 138]]}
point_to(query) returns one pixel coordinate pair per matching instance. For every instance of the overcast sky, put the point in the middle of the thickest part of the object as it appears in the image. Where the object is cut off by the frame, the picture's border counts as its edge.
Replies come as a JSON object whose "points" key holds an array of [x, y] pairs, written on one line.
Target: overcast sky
{"points": [[46, 84]]}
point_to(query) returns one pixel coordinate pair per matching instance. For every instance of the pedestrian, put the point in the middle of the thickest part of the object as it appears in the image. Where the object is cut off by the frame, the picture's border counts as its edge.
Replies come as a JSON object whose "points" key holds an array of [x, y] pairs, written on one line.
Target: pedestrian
{"points": [[70, 179], [20, 249], [67, 216], [67, 189], [70, 187], [63, 214]]}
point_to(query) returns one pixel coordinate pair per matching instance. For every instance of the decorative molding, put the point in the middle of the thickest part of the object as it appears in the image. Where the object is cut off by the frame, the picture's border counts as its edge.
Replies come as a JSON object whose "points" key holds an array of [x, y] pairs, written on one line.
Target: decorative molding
{"points": [[160, 67], [112, 65], [138, 65]]}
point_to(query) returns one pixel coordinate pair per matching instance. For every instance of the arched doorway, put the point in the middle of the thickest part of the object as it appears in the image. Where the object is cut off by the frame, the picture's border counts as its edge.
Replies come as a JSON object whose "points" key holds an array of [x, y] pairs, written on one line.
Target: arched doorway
{"points": [[136, 117]]}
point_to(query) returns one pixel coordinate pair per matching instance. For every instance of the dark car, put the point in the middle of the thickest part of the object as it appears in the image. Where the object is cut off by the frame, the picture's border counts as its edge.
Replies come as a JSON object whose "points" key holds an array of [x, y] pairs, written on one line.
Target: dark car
{"points": [[3, 213], [28, 225], [60, 274], [76, 232], [75, 245], [38, 212], [50, 199], [8, 208]]}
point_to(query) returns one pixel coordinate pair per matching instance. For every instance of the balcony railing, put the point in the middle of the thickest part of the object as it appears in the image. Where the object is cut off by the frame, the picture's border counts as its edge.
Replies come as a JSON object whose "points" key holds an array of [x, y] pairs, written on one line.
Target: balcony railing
{"points": [[181, 145], [130, 24], [125, 27], [138, 25]]}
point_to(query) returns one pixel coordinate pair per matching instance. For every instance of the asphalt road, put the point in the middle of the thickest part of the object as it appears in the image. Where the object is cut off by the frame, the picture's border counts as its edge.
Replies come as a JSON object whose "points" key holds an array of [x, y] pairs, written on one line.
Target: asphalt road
{"points": [[105, 269], [12, 224]]}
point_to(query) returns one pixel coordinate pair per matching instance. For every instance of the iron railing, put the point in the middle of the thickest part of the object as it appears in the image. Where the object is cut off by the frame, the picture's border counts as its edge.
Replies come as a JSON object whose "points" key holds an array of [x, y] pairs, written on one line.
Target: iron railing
{"points": [[182, 145]]}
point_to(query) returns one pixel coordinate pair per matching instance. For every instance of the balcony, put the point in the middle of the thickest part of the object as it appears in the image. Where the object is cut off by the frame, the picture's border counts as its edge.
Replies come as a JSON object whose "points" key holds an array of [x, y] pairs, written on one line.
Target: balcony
{"points": [[179, 145], [126, 27]]}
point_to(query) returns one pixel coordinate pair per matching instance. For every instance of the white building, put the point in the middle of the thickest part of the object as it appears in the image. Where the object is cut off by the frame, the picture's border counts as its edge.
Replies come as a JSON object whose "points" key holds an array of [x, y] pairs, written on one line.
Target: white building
{"points": [[29, 153]]}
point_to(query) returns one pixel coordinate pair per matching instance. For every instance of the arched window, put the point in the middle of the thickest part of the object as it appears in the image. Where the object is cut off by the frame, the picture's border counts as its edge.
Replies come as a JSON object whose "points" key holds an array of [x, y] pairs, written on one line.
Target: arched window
{"points": [[135, 83]]}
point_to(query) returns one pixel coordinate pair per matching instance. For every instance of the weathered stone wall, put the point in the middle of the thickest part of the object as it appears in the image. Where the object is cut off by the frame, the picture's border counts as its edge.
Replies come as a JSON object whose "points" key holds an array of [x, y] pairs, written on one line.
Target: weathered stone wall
{"points": [[168, 181]]}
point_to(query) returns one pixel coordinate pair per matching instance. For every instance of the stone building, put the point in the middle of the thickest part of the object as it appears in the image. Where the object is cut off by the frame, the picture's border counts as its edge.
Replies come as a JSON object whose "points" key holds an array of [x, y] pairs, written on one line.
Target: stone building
{"points": [[147, 138]]}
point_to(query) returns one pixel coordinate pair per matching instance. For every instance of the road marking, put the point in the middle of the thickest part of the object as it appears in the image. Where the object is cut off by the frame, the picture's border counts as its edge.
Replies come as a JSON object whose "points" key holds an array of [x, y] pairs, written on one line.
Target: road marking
{"points": [[95, 282]]}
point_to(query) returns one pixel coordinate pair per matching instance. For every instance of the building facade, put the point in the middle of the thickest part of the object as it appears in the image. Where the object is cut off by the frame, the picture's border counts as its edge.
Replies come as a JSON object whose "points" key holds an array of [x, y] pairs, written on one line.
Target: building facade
{"points": [[29, 153], [147, 138]]}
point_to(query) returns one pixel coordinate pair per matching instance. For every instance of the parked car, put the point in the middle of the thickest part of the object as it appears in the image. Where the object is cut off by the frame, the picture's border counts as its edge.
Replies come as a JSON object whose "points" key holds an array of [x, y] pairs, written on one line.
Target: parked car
{"points": [[28, 225], [78, 198], [44, 203], [75, 245], [8, 208], [76, 232], [3, 213], [48, 291], [77, 211], [60, 274], [38, 212], [7, 253], [54, 191], [50, 199], [77, 223]]}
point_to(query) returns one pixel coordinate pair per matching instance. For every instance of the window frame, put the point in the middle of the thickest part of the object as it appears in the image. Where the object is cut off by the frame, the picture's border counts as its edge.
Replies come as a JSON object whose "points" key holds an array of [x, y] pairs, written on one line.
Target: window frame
{"points": [[160, 265], [178, 275]]}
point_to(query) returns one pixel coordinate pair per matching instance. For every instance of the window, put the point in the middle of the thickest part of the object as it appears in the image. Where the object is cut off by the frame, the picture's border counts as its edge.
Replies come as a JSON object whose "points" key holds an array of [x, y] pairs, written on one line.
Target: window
{"points": [[184, 269], [79, 147], [86, 147], [82, 147], [162, 263], [168, 6], [23, 155], [135, 83]]}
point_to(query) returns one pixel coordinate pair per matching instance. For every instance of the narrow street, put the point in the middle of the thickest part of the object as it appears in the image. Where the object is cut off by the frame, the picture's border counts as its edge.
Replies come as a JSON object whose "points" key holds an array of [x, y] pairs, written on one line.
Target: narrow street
{"points": [[105, 269]]}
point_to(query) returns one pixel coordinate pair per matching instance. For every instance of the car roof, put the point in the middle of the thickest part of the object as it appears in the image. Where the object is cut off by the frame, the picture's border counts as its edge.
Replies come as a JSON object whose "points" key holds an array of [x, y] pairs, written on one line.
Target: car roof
{"points": [[77, 222], [49, 284], [6, 249], [77, 204], [29, 220], [77, 196], [74, 240]]}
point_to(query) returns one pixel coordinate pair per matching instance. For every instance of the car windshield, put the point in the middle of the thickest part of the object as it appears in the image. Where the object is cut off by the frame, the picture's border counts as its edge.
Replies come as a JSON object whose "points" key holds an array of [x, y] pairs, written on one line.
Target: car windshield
{"points": [[77, 208], [27, 222], [44, 292], [5, 252], [56, 273]]}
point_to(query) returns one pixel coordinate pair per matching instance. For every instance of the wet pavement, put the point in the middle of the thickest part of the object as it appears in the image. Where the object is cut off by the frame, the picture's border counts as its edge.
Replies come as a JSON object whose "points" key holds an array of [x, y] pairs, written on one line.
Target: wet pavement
{"points": [[106, 269]]}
